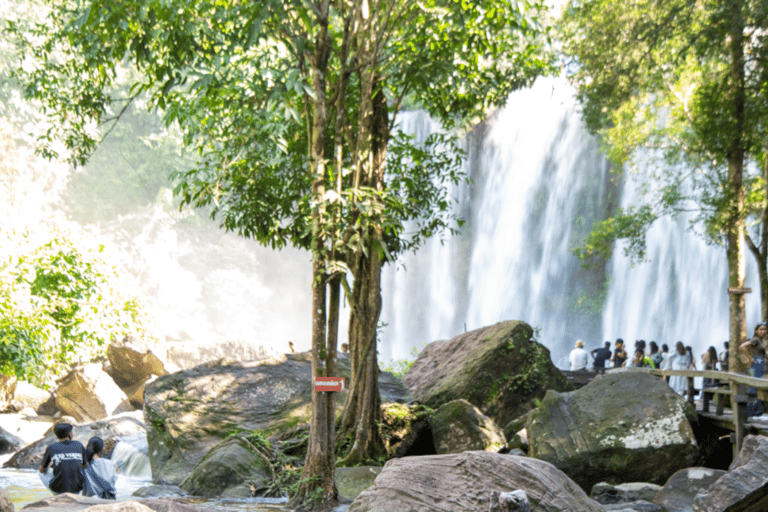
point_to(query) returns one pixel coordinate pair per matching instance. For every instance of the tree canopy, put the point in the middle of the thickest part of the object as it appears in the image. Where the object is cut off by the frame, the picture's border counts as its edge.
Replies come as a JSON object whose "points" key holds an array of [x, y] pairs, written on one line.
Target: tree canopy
{"points": [[677, 89]]}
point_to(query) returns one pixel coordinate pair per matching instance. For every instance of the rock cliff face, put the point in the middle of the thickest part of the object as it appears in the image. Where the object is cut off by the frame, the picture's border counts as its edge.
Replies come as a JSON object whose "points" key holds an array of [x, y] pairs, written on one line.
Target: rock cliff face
{"points": [[625, 426], [500, 369]]}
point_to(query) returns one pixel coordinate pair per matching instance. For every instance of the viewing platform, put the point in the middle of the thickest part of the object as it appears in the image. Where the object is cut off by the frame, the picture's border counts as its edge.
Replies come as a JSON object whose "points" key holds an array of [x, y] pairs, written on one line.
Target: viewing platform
{"points": [[723, 405]]}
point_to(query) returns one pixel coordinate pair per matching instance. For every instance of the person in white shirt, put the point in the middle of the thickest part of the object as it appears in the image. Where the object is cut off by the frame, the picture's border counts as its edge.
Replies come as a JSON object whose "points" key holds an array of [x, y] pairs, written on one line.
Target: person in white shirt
{"points": [[579, 357]]}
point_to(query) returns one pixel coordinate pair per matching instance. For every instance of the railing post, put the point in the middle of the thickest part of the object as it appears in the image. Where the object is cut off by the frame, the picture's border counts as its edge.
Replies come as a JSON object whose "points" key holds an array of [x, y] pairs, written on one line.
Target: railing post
{"points": [[739, 406]]}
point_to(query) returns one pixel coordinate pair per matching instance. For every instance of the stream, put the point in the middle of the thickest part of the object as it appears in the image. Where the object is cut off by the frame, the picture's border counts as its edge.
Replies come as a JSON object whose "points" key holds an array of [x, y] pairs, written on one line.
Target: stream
{"points": [[24, 486]]}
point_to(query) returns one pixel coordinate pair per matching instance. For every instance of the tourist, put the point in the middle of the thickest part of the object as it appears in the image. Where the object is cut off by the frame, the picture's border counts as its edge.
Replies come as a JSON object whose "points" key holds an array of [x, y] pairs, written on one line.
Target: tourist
{"points": [[619, 354], [101, 474], [665, 362], [709, 363], [754, 346], [601, 355], [692, 363], [679, 360], [756, 369], [579, 357], [67, 459], [724, 358], [655, 355], [640, 360]]}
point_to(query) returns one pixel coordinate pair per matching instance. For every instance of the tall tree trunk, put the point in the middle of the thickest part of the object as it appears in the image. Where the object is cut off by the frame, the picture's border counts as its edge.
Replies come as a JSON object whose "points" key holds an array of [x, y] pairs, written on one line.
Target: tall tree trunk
{"points": [[362, 409], [735, 192], [319, 464]]}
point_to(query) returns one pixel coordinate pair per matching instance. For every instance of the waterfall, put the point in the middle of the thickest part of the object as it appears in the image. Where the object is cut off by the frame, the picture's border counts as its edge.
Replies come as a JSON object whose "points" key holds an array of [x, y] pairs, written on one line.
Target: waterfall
{"points": [[539, 182], [130, 455]]}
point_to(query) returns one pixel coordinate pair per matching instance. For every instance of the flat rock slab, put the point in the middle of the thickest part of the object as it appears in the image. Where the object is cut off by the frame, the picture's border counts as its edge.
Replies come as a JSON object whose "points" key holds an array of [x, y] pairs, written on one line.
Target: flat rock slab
{"points": [[463, 482], [76, 503]]}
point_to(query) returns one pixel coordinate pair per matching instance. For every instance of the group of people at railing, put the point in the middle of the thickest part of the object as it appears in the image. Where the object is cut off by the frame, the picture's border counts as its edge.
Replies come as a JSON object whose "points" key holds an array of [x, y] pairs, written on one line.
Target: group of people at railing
{"points": [[751, 353]]}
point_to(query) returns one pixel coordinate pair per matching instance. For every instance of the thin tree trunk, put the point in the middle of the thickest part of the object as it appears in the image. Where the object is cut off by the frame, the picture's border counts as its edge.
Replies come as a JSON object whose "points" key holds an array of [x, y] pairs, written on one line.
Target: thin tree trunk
{"points": [[317, 490], [735, 192]]}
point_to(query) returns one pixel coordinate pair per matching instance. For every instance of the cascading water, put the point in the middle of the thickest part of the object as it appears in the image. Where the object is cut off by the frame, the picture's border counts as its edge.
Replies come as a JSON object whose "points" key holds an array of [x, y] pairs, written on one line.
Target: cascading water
{"points": [[539, 183]]}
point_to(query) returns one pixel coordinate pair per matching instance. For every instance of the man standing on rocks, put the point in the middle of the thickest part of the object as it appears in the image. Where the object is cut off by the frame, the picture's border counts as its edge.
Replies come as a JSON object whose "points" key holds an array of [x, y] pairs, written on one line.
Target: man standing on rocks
{"points": [[67, 457], [601, 355]]}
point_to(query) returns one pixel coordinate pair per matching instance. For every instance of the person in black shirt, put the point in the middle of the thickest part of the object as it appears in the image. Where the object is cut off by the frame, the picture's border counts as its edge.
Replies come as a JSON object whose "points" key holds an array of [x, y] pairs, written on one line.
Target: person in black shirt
{"points": [[601, 355], [67, 457], [619, 355]]}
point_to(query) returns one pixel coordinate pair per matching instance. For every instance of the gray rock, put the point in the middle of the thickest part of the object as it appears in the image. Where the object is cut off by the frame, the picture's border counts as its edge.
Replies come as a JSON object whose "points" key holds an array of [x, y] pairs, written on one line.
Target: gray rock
{"points": [[609, 494], [350, 482], [74, 503], [9, 443], [110, 431], [515, 501], [463, 482], [89, 394], [5, 502], [459, 426], [634, 506], [609, 430], [231, 464], [133, 361], [500, 369], [747, 473], [678, 492], [156, 491], [27, 395], [189, 412]]}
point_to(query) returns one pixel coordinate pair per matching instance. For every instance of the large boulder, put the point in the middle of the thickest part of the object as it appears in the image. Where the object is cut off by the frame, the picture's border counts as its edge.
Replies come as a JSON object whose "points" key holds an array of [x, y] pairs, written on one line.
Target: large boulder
{"points": [[109, 430], [622, 427], [746, 474], [459, 426], [191, 411], [448, 483], [679, 491], [133, 361], [28, 395], [88, 394], [232, 464], [9, 443], [500, 369]]}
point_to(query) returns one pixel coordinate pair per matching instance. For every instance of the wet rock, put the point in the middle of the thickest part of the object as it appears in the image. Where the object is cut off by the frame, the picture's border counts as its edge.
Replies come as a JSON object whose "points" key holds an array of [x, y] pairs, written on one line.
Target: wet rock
{"points": [[499, 369], [459, 426], [464, 482], [75, 503]]}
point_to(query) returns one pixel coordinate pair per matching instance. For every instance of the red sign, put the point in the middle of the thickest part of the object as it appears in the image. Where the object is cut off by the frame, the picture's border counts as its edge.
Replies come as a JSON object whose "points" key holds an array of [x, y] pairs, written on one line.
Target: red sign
{"points": [[329, 383]]}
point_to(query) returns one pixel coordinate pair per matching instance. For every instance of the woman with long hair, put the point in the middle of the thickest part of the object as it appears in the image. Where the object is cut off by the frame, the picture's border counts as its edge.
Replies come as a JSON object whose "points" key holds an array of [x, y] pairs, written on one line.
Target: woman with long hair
{"points": [[100, 474]]}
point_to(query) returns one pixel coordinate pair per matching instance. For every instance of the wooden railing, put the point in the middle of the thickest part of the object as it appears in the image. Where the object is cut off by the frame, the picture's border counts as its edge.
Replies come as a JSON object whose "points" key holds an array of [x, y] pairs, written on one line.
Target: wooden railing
{"points": [[732, 387]]}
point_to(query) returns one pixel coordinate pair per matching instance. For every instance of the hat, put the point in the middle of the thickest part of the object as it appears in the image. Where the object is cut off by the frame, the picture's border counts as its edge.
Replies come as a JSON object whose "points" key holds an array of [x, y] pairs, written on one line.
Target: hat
{"points": [[579, 343]]}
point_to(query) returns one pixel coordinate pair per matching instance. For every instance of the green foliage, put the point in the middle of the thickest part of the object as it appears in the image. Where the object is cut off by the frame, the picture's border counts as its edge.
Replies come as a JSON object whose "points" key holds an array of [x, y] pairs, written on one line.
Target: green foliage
{"points": [[676, 90], [399, 367], [59, 303]]}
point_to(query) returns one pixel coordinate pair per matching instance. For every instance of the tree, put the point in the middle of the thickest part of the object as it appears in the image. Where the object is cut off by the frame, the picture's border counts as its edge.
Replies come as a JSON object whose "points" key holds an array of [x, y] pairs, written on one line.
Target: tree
{"points": [[60, 302], [291, 108], [676, 88]]}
